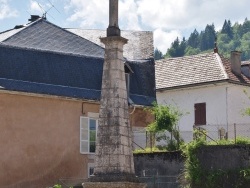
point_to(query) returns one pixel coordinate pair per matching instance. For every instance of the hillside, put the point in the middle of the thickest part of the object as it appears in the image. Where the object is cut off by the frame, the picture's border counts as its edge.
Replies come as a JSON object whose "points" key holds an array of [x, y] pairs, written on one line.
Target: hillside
{"points": [[236, 37]]}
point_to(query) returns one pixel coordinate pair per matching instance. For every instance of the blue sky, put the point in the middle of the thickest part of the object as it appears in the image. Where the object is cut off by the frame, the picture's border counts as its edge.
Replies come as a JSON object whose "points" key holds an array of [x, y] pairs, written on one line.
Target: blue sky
{"points": [[166, 18]]}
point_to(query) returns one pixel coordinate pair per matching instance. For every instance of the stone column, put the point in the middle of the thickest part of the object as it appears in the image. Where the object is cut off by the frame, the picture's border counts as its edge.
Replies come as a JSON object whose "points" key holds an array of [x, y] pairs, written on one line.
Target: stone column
{"points": [[114, 158], [113, 29], [114, 163]]}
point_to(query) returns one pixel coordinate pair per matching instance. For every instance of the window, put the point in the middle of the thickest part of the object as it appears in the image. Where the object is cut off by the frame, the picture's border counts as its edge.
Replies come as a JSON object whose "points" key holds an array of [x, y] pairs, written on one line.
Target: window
{"points": [[200, 114], [88, 133]]}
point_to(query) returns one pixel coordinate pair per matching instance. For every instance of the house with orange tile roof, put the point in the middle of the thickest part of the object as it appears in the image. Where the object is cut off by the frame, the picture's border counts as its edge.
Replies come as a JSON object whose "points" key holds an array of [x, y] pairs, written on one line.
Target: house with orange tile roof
{"points": [[210, 90]]}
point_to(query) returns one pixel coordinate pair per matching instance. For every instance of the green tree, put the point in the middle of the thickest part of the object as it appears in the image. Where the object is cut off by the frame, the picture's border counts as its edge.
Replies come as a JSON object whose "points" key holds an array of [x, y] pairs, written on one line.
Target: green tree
{"points": [[158, 54], [192, 51], [227, 29], [193, 40], [177, 48], [245, 46], [207, 38], [247, 110], [166, 119]]}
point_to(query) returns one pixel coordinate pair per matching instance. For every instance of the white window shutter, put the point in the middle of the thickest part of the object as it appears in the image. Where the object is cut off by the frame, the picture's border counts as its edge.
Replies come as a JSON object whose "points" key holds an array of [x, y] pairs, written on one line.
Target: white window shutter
{"points": [[84, 135]]}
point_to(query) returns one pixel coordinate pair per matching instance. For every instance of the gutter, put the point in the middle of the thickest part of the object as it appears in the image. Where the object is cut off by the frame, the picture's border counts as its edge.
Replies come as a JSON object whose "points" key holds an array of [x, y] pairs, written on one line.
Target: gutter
{"points": [[203, 83]]}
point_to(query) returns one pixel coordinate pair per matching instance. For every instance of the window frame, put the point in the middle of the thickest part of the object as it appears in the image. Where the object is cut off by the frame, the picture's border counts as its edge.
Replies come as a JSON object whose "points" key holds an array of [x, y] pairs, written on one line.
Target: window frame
{"points": [[87, 140], [200, 114]]}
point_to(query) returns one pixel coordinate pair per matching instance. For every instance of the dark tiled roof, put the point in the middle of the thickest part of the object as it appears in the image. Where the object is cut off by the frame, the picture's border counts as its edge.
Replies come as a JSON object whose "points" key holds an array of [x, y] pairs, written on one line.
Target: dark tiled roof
{"points": [[44, 35], [139, 46], [6, 34], [68, 75]]}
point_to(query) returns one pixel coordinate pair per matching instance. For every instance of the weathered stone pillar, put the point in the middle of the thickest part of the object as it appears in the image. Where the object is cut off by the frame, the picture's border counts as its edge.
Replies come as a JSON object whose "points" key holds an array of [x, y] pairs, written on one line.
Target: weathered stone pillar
{"points": [[114, 158], [114, 163]]}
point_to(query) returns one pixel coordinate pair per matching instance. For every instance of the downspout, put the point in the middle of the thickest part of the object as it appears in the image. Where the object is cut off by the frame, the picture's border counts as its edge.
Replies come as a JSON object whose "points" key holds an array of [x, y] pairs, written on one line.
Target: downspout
{"points": [[227, 110]]}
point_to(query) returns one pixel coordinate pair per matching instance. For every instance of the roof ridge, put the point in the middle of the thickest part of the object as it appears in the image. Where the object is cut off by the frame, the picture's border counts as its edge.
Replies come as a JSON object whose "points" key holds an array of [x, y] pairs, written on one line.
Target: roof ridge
{"points": [[218, 57], [24, 28], [105, 30]]}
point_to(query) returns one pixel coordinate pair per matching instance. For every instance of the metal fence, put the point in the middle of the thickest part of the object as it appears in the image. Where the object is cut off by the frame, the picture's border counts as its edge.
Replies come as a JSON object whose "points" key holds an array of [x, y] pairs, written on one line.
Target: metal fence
{"points": [[213, 132], [230, 131]]}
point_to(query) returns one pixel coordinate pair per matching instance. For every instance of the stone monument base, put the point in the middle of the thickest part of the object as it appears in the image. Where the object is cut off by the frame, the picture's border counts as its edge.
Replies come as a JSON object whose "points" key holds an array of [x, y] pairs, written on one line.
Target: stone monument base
{"points": [[113, 185]]}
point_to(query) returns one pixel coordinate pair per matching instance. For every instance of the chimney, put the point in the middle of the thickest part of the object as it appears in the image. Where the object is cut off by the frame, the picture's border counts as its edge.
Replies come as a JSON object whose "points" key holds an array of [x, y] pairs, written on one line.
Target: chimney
{"points": [[236, 62], [33, 18]]}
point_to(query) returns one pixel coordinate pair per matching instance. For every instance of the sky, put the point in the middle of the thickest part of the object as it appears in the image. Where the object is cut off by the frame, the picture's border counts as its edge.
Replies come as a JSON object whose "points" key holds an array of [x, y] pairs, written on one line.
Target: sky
{"points": [[168, 19]]}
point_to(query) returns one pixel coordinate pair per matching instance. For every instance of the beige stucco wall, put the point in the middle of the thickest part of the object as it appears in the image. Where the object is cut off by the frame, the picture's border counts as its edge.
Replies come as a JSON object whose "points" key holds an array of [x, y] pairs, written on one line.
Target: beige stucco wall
{"points": [[39, 139]]}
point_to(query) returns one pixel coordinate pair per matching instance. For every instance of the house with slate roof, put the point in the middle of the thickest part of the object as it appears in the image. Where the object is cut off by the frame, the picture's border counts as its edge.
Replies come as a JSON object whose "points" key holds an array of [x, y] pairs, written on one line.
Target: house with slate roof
{"points": [[50, 81], [209, 90]]}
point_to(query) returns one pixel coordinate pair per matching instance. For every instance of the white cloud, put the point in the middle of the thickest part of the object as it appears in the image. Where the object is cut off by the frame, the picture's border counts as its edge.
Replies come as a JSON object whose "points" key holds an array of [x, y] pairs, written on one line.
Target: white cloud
{"points": [[180, 14], [6, 11], [88, 13], [163, 40], [34, 7], [128, 17], [94, 13], [163, 16]]}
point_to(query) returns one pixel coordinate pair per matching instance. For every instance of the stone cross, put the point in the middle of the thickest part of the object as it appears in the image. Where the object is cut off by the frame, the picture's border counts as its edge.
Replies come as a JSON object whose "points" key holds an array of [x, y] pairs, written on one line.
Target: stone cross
{"points": [[113, 29], [114, 158]]}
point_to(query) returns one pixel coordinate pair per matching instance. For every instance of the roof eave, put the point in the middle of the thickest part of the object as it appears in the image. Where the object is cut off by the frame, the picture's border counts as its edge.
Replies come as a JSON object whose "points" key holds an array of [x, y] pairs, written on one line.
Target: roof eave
{"points": [[192, 85]]}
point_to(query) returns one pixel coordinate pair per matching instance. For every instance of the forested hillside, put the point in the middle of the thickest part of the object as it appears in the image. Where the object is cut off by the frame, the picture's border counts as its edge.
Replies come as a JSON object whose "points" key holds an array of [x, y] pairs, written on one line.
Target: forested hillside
{"points": [[230, 37]]}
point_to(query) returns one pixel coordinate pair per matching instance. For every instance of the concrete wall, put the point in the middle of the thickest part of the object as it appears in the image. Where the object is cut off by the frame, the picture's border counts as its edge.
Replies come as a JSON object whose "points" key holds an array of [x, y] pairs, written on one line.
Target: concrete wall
{"points": [[161, 164], [224, 157], [39, 139]]}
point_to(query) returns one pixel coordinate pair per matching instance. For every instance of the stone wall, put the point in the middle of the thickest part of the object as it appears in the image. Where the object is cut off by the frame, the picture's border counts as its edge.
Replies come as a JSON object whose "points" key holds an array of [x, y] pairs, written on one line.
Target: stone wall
{"points": [[227, 157], [162, 164]]}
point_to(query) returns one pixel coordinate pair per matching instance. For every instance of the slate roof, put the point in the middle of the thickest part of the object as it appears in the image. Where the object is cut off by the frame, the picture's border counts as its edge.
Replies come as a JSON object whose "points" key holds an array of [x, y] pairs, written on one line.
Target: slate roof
{"points": [[193, 70], [139, 46], [6, 34], [68, 75], [43, 35]]}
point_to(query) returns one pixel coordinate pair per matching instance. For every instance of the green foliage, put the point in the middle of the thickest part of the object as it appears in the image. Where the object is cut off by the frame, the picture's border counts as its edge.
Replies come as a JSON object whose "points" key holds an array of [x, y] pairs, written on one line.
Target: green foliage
{"points": [[230, 37], [166, 119], [247, 110], [195, 176], [178, 48], [57, 186], [158, 54], [149, 150]]}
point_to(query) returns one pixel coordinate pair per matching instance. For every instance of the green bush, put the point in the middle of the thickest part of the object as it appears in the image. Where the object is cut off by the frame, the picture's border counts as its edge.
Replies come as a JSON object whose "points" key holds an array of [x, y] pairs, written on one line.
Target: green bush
{"points": [[196, 177]]}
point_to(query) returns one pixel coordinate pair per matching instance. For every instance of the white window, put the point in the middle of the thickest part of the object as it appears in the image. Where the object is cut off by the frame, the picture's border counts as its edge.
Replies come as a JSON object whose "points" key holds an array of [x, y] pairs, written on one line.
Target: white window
{"points": [[88, 133]]}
